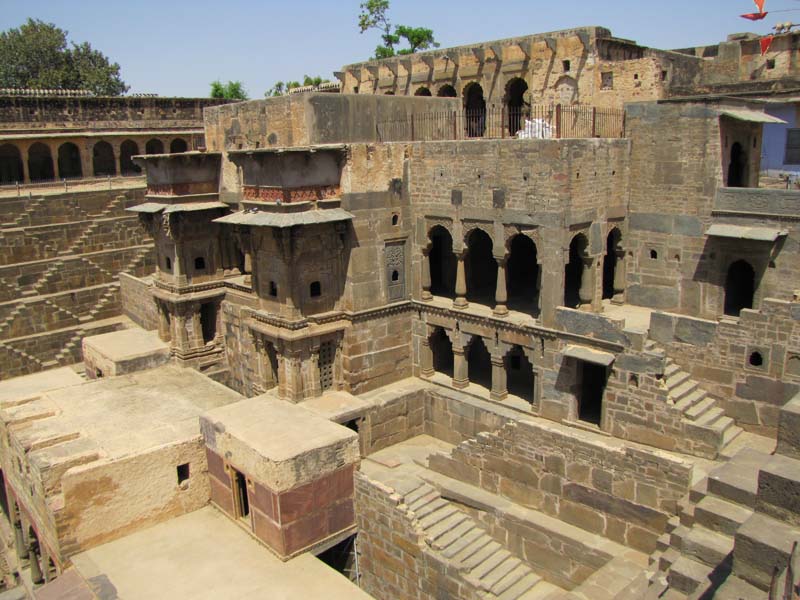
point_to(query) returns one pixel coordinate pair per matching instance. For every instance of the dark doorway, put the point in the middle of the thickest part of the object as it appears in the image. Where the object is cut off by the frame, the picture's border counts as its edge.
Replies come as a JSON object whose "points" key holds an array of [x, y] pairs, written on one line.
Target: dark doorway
{"points": [[208, 321], [69, 161], [327, 356], [272, 365], [737, 169], [481, 268], [443, 263], [342, 558], [127, 151], [479, 364], [523, 274], [521, 379], [475, 110], [4, 496], [10, 164], [740, 288], [242, 500], [423, 91], [573, 272], [40, 163], [593, 380], [447, 91], [442, 351], [515, 104], [154, 146], [178, 145], [103, 160], [610, 262]]}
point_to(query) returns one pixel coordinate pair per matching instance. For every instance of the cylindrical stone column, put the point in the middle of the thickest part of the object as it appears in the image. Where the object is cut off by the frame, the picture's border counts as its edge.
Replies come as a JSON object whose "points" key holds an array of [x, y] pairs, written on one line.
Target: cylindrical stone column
{"points": [[36, 570], [586, 292], [426, 357], [499, 379], [461, 282], [460, 369], [426, 275], [619, 272], [501, 291], [19, 541]]}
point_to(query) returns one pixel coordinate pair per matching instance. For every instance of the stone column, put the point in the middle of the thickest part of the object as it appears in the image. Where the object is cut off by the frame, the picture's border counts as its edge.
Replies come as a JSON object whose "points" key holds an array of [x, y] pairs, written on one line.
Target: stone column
{"points": [[586, 292], [36, 570], [619, 272], [460, 369], [499, 379], [461, 283], [163, 324], [197, 328], [426, 275], [26, 173], [19, 541], [426, 357], [501, 291]]}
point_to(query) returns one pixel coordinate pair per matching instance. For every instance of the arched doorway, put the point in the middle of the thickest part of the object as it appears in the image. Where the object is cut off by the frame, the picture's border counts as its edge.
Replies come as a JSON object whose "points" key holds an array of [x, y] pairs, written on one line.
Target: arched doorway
{"points": [[442, 351], [737, 169], [573, 272], [423, 91], [475, 110], [69, 161], [127, 150], [442, 263], [40, 162], [612, 275], [520, 376], [516, 106], [103, 160], [740, 288], [10, 164], [178, 145], [481, 268], [479, 363], [447, 91], [522, 279], [154, 146]]}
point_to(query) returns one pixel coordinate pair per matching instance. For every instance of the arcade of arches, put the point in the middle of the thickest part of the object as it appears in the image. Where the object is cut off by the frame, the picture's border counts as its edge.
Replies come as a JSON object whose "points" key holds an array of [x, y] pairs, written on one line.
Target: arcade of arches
{"points": [[41, 161]]}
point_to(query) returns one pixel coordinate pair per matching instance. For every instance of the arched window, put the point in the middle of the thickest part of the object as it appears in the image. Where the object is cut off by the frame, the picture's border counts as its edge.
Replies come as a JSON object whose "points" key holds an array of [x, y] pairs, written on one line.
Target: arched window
{"points": [[475, 110], [442, 350], [69, 161], [10, 164], [740, 288], [442, 263], [574, 271], [479, 363], [423, 91], [481, 268], [613, 278], [127, 150], [516, 106], [447, 91], [154, 146], [523, 277], [177, 146], [40, 162], [103, 160]]}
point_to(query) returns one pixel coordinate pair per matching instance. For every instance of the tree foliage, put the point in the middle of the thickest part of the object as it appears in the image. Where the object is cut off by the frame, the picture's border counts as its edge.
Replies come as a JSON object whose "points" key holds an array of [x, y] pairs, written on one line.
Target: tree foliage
{"points": [[280, 88], [233, 90], [37, 55], [373, 16]]}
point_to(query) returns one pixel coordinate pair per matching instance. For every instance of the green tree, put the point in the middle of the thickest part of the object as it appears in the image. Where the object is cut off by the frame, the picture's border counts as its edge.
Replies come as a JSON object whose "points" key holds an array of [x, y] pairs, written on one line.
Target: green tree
{"points": [[280, 88], [36, 55], [373, 16], [233, 90]]}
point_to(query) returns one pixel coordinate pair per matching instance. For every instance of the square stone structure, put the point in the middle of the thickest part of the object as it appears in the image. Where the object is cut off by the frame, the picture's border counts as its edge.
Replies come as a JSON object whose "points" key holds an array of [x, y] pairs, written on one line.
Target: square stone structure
{"points": [[123, 352], [282, 471]]}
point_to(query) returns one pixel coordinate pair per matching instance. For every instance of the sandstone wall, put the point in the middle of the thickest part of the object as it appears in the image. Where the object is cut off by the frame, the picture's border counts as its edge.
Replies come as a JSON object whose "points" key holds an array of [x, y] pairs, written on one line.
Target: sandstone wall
{"points": [[137, 301]]}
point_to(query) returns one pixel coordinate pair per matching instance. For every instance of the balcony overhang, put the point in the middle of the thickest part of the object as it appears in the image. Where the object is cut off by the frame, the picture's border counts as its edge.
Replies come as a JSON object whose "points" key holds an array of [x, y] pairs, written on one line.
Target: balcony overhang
{"points": [[590, 355], [742, 232], [751, 116], [282, 220]]}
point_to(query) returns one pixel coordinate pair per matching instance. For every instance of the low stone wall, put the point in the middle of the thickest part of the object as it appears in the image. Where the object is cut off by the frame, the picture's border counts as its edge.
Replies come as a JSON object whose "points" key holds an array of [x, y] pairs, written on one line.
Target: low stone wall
{"points": [[723, 357], [137, 302], [394, 418]]}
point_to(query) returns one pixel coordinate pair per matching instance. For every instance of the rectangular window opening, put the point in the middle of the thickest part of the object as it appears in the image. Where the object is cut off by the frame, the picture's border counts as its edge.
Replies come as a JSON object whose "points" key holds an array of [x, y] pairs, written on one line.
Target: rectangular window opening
{"points": [[242, 501], [183, 472]]}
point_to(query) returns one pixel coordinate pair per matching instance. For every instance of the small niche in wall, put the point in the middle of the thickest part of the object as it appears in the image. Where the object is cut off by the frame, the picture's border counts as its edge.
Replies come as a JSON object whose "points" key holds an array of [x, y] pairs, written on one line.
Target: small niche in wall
{"points": [[395, 276], [168, 263], [183, 473], [199, 263], [315, 289], [395, 220], [654, 254], [273, 289], [567, 65], [770, 64], [756, 359]]}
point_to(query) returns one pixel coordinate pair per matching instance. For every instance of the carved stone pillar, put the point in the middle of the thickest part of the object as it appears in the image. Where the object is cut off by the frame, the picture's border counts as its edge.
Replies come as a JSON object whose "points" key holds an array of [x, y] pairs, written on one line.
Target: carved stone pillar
{"points": [[501, 292], [499, 379], [36, 570], [460, 369], [426, 357], [461, 282], [164, 333], [19, 541], [586, 292], [26, 174], [619, 272], [426, 275], [197, 328]]}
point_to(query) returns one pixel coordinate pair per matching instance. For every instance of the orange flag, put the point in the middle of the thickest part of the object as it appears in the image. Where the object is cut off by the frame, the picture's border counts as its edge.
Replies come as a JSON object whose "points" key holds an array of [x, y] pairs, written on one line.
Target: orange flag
{"points": [[754, 16], [766, 42], [760, 5]]}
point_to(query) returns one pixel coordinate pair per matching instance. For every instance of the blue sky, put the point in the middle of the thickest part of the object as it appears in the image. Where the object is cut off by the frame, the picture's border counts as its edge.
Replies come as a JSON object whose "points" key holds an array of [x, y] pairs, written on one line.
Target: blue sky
{"points": [[176, 47]]}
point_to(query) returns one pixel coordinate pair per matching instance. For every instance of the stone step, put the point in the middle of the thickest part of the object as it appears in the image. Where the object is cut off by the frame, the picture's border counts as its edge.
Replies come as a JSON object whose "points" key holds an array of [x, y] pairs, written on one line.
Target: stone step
{"points": [[686, 514], [481, 555], [710, 417], [720, 515], [472, 549], [677, 537], [699, 490], [512, 578], [520, 587], [695, 411], [687, 575], [707, 546], [691, 399], [431, 507], [731, 431], [671, 369], [761, 544], [483, 569], [662, 543], [446, 525], [683, 390], [437, 516], [779, 489], [676, 379], [668, 559], [447, 537], [492, 578], [737, 480], [416, 501], [464, 542]]}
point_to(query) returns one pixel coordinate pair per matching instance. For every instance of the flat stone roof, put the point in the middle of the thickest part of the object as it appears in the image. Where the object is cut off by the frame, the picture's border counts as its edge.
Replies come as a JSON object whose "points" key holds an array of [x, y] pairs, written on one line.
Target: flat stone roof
{"points": [[28, 386], [206, 556], [126, 344], [119, 416]]}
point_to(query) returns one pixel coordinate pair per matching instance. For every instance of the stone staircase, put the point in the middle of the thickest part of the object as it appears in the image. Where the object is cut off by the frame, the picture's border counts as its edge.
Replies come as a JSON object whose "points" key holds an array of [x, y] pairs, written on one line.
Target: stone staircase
{"points": [[482, 562], [24, 217]]}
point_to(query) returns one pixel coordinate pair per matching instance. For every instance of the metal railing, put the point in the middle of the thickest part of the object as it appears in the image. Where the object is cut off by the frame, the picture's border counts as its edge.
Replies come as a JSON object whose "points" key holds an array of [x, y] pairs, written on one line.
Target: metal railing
{"points": [[68, 183], [536, 122]]}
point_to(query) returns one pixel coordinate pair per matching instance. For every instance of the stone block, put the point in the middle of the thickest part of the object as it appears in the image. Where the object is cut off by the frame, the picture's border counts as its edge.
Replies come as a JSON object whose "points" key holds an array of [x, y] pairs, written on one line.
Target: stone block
{"points": [[617, 507], [654, 296], [789, 429], [761, 544], [696, 332], [655, 222], [662, 327], [688, 226], [581, 516], [764, 389], [779, 489]]}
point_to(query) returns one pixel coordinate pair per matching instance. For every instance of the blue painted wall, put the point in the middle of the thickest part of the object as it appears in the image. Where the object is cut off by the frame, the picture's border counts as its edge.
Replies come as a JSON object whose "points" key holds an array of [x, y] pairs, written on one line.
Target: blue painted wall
{"points": [[773, 149]]}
